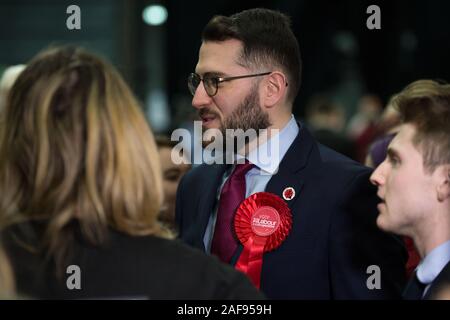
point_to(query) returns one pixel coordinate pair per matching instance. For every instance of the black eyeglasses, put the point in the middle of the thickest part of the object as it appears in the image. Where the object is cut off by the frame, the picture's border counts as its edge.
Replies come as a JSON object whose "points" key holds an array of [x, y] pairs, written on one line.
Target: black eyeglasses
{"points": [[212, 83]]}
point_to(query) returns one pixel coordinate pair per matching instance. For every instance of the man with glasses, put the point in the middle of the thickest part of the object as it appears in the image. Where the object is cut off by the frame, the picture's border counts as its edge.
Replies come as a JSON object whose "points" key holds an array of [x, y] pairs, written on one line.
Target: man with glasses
{"points": [[247, 77]]}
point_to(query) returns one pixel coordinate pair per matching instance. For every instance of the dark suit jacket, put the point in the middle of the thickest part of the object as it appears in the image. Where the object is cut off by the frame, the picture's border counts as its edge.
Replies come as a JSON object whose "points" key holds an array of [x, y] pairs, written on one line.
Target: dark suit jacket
{"points": [[125, 267], [334, 237], [440, 285]]}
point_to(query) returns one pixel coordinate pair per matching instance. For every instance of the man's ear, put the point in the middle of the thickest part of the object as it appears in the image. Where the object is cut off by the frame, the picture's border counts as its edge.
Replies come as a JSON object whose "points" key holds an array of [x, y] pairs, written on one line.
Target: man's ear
{"points": [[275, 89], [443, 187]]}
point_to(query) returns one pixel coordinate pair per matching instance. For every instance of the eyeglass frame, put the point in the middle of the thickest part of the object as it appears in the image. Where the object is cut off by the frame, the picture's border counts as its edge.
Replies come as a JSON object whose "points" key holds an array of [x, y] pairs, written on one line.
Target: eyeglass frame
{"points": [[218, 80]]}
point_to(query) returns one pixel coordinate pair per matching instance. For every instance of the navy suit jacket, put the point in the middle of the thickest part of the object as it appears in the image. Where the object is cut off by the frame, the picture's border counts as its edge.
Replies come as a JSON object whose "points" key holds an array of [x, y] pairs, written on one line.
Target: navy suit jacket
{"points": [[440, 287], [334, 238]]}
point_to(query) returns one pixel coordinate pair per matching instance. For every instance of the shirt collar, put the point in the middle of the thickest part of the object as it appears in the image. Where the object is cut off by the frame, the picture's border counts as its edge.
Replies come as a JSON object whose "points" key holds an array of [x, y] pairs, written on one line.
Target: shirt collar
{"points": [[260, 156], [433, 263]]}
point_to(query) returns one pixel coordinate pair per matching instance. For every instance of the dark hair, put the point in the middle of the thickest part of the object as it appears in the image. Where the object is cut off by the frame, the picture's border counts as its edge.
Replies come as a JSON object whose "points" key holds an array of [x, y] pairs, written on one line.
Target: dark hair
{"points": [[426, 105], [267, 40]]}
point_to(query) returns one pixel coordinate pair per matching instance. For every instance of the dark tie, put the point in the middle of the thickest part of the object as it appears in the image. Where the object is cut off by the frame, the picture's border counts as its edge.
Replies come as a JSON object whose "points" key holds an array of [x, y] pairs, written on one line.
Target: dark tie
{"points": [[224, 242], [414, 289]]}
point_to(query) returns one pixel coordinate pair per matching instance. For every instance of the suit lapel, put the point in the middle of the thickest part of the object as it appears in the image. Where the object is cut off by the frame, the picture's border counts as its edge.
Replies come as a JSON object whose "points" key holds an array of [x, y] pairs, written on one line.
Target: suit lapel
{"points": [[290, 172], [291, 166], [210, 185]]}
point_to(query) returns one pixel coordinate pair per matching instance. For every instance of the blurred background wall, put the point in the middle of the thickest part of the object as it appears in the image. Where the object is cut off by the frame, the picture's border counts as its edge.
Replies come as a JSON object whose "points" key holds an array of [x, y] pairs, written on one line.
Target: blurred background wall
{"points": [[155, 49]]}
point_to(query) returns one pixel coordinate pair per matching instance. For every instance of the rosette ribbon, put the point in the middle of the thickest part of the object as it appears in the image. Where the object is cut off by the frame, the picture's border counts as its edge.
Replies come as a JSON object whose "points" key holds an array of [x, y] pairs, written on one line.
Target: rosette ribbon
{"points": [[262, 222]]}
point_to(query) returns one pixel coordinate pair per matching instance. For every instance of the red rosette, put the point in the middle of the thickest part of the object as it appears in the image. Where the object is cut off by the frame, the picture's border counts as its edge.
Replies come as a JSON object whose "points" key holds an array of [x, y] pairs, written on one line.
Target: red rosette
{"points": [[262, 222]]}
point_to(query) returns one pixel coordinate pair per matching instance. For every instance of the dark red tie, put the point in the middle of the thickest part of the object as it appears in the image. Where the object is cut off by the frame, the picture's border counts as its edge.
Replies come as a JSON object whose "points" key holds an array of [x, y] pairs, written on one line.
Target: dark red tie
{"points": [[224, 242]]}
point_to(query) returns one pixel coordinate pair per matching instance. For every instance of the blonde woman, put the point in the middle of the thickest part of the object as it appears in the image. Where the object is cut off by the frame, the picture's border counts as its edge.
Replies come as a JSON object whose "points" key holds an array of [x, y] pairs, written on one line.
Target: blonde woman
{"points": [[81, 191]]}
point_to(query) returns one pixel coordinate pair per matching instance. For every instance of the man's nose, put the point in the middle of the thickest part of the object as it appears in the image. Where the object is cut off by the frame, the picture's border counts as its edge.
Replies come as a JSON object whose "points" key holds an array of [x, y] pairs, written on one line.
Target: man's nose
{"points": [[201, 98], [378, 176]]}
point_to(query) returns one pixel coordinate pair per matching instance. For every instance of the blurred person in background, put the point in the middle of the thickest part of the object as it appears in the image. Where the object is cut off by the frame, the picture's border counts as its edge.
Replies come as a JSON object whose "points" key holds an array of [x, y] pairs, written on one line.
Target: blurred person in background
{"points": [[326, 120], [81, 187], [369, 110], [361, 128], [7, 285], [172, 172], [6, 82], [414, 182], [386, 128]]}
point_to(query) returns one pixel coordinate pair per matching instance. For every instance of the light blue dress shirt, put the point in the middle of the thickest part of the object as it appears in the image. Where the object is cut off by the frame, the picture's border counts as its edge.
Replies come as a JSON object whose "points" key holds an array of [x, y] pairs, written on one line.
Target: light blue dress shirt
{"points": [[257, 178], [433, 263]]}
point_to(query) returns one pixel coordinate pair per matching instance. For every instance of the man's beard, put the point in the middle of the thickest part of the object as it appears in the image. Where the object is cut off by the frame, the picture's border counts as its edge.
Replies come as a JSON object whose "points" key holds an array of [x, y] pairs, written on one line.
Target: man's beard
{"points": [[248, 115]]}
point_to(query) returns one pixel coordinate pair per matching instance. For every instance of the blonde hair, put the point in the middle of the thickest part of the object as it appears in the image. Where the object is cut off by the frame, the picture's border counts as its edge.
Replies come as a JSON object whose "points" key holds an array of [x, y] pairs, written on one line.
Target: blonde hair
{"points": [[76, 145]]}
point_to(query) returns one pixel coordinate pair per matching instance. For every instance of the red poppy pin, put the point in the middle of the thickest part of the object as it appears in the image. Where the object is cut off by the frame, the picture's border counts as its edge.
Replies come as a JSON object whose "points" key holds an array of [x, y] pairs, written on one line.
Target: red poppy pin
{"points": [[288, 193]]}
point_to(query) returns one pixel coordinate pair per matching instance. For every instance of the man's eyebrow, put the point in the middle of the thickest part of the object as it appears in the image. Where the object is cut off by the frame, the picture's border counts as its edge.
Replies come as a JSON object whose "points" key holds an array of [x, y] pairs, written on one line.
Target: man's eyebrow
{"points": [[392, 153], [214, 74]]}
